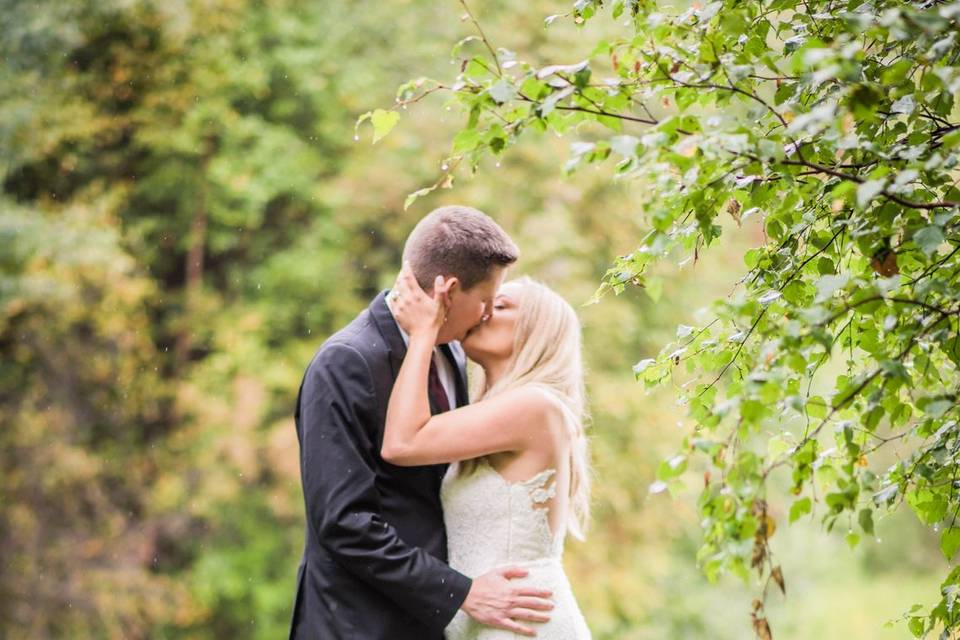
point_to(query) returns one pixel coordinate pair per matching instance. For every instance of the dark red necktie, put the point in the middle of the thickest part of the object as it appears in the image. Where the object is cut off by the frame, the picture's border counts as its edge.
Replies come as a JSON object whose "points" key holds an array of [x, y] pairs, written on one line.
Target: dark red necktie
{"points": [[436, 390]]}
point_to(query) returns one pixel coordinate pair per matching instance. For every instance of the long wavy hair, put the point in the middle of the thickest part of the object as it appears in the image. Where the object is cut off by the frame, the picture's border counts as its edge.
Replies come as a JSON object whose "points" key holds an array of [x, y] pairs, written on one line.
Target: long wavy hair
{"points": [[547, 353]]}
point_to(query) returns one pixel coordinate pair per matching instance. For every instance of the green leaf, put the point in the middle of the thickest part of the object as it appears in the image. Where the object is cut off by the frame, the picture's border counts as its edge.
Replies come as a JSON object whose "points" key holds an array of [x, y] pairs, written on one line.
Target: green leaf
{"points": [[672, 468], [950, 542], [466, 140], [383, 122], [625, 145], [455, 52], [411, 198], [777, 446], [800, 508], [866, 521], [853, 539], [502, 91], [828, 285], [816, 407], [916, 626], [617, 9], [937, 408], [906, 104], [929, 239], [643, 365], [869, 190], [951, 140], [886, 495], [768, 297], [657, 487], [476, 69]]}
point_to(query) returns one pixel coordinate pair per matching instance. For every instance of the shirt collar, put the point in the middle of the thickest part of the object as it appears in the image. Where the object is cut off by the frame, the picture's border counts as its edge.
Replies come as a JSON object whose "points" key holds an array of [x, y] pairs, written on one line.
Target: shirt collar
{"points": [[403, 334]]}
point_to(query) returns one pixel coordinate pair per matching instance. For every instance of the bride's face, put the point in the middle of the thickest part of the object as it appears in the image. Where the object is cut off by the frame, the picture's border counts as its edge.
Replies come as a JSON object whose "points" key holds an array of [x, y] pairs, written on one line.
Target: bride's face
{"points": [[493, 340]]}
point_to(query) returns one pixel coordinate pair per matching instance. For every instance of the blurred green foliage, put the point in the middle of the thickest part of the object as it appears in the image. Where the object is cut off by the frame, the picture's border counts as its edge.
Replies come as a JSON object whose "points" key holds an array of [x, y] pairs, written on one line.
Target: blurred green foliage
{"points": [[184, 216]]}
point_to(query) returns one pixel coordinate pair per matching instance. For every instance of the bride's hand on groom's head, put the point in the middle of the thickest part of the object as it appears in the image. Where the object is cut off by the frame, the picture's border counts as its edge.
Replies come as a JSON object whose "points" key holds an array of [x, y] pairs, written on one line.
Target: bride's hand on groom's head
{"points": [[418, 312]]}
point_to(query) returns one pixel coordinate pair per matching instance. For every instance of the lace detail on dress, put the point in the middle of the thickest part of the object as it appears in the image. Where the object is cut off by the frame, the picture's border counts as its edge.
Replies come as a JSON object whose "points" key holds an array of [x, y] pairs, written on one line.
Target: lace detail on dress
{"points": [[492, 522], [539, 493]]}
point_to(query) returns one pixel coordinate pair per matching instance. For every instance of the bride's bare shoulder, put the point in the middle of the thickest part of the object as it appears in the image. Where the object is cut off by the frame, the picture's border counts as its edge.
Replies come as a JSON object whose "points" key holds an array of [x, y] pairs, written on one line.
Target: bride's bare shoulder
{"points": [[535, 403]]}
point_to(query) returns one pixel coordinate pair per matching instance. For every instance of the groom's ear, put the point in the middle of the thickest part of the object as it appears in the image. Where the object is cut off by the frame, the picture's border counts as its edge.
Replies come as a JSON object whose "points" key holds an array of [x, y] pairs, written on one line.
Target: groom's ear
{"points": [[449, 285]]}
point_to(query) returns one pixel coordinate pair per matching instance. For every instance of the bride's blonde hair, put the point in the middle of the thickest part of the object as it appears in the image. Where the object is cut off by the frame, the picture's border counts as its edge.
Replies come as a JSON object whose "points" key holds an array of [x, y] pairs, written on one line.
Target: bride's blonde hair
{"points": [[547, 353]]}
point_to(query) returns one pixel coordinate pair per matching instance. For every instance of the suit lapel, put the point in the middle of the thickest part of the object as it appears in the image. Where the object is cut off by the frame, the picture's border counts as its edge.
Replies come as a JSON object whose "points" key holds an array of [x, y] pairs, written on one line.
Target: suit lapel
{"points": [[389, 330]]}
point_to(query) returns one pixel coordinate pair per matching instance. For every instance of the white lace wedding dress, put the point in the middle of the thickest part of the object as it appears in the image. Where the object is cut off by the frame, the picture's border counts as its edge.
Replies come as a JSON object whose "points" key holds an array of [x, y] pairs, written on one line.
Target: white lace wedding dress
{"points": [[492, 522]]}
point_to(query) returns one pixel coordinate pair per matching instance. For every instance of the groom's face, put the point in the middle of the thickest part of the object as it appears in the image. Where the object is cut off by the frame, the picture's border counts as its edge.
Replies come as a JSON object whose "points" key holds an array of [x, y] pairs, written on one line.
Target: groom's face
{"points": [[469, 308]]}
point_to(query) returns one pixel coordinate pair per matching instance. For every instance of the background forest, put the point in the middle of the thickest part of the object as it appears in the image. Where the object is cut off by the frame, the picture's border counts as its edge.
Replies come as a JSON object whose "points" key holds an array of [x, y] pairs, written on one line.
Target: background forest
{"points": [[185, 215]]}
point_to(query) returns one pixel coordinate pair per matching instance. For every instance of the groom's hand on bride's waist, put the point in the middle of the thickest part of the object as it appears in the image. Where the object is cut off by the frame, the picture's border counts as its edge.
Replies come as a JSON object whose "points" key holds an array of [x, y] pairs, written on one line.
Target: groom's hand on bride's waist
{"points": [[495, 599]]}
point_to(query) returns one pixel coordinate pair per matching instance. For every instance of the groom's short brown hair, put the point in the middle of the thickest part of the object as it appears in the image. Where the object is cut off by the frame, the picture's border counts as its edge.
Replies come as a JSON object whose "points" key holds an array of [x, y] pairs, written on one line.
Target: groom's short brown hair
{"points": [[457, 241]]}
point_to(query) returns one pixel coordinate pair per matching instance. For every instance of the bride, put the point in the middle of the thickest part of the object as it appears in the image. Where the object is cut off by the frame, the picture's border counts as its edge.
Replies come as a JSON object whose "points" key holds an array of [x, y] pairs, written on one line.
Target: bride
{"points": [[521, 482]]}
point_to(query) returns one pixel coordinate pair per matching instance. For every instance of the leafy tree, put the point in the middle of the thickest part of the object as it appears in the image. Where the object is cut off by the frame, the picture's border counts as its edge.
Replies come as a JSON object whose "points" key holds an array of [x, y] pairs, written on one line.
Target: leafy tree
{"points": [[170, 254], [834, 126]]}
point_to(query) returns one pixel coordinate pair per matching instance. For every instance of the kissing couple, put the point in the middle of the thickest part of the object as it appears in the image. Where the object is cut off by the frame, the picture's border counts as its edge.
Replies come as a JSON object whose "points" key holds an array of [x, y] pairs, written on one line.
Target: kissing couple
{"points": [[429, 514]]}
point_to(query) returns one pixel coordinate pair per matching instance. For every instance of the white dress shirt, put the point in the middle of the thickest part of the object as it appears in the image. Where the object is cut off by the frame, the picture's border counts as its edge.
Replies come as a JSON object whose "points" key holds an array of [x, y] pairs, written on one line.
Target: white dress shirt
{"points": [[444, 367]]}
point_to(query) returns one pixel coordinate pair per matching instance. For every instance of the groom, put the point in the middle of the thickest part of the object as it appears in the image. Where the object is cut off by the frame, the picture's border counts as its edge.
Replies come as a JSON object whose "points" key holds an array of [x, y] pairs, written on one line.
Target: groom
{"points": [[374, 562]]}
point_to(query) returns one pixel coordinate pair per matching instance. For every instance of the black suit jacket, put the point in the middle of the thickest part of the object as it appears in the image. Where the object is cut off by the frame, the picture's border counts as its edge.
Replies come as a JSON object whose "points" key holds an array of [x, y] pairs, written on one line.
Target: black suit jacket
{"points": [[374, 561]]}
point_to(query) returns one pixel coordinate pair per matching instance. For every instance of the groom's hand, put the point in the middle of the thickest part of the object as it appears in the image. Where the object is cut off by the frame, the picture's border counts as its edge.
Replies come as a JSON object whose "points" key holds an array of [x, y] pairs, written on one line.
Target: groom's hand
{"points": [[494, 600]]}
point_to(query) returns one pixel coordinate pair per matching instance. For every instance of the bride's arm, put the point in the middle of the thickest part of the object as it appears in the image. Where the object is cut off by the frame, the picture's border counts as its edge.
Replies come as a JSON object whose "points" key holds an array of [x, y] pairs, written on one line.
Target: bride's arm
{"points": [[512, 421], [508, 422], [409, 407]]}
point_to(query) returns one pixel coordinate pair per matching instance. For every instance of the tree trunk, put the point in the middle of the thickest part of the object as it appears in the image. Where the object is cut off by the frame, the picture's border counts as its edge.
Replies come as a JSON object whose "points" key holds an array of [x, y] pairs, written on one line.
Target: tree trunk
{"points": [[193, 284]]}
